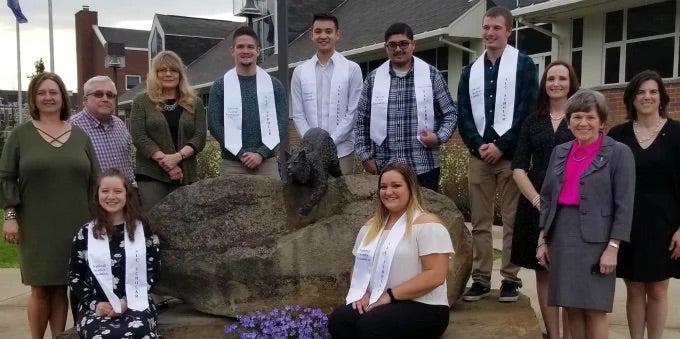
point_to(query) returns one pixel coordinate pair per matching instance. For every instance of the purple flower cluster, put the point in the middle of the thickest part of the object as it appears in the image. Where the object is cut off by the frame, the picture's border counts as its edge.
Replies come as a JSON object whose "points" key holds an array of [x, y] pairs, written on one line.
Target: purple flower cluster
{"points": [[280, 323]]}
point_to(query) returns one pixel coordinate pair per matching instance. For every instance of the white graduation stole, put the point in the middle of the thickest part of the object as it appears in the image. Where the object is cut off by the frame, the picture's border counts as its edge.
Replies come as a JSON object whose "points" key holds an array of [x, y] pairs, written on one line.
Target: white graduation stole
{"points": [[233, 111], [363, 263], [339, 93], [99, 261], [381, 92], [505, 92]]}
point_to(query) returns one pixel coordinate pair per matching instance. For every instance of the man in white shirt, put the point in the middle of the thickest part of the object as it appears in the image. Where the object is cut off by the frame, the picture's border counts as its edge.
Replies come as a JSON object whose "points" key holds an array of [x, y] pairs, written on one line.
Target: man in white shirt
{"points": [[325, 90]]}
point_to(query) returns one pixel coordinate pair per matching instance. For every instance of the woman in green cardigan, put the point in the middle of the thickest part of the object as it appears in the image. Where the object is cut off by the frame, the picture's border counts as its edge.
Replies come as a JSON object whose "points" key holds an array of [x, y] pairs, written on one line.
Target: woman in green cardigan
{"points": [[168, 129]]}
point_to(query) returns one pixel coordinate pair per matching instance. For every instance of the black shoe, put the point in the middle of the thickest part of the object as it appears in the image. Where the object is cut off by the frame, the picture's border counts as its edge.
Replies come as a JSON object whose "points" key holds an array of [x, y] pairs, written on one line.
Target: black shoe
{"points": [[508, 292], [476, 292]]}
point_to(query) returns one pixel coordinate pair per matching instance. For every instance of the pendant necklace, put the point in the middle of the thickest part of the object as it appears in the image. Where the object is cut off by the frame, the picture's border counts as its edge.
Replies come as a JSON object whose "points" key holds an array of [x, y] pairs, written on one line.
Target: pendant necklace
{"points": [[169, 107]]}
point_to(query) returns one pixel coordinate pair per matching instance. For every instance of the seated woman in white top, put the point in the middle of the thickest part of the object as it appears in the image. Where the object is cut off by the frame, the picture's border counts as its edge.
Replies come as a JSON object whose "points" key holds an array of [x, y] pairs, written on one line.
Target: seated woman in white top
{"points": [[114, 262], [398, 285]]}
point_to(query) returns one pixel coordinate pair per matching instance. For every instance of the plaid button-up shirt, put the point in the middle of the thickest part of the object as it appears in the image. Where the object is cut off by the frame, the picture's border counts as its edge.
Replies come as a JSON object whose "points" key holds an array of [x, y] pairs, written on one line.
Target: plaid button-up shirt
{"points": [[401, 143], [111, 142]]}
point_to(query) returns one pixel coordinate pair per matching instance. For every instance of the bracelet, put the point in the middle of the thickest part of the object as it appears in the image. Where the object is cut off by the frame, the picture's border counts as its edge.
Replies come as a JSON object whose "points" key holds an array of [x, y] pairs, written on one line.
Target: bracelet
{"points": [[389, 292], [613, 244], [536, 200], [10, 215]]}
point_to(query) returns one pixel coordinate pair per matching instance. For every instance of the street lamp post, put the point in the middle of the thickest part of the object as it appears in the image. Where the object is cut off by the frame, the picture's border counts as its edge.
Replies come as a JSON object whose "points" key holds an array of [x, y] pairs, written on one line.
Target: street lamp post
{"points": [[248, 10], [115, 59]]}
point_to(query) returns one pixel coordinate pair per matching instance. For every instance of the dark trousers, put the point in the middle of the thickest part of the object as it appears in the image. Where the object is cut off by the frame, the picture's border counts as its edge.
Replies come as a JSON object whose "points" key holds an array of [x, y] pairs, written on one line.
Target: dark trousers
{"points": [[402, 319], [430, 179]]}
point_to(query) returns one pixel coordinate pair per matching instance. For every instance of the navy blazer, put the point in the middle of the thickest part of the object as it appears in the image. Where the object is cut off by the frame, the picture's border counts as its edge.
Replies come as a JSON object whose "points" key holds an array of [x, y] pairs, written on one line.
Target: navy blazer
{"points": [[606, 192]]}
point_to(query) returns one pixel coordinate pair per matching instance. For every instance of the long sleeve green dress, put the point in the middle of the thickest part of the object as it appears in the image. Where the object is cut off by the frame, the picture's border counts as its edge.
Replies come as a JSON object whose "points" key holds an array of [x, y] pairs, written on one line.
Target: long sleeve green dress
{"points": [[50, 189]]}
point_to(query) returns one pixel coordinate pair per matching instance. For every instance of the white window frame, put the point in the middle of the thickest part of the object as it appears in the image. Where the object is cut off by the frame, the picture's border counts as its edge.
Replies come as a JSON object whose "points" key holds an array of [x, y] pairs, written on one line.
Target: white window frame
{"points": [[139, 77], [623, 44], [273, 14], [538, 58]]}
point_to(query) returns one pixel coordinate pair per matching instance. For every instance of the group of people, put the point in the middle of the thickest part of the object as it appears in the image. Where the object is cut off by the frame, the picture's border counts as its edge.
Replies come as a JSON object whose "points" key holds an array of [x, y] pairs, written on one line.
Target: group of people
{"points": [[579, 207], [58, 171]]}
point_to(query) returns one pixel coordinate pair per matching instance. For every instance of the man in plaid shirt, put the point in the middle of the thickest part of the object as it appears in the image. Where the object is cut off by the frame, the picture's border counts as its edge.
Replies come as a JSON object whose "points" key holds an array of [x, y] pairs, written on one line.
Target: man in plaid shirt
{"points": [[405, 112], [108, 133]]}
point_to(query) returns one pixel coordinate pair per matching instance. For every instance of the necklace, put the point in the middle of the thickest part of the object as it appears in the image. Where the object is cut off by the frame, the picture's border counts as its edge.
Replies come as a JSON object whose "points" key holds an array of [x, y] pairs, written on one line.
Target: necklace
{"points": [[651, 135], [573, 156], [556, 119], [169, 107]]}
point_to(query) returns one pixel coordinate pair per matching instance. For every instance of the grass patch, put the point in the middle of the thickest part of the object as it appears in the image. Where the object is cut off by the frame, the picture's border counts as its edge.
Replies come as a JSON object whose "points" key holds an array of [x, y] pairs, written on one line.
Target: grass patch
{"points": [[8, 253], [497, 254], [8, 256]]}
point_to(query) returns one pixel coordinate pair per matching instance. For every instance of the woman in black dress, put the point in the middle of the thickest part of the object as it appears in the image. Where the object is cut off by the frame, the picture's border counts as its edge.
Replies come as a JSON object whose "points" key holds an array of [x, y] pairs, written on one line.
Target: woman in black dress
{"points": [[651, 257], [540, 133]]}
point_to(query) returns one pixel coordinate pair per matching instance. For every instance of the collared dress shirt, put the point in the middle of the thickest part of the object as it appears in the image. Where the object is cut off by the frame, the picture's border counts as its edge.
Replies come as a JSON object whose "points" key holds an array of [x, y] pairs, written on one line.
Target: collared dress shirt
{"points": [[111, 142], [343, 135]]}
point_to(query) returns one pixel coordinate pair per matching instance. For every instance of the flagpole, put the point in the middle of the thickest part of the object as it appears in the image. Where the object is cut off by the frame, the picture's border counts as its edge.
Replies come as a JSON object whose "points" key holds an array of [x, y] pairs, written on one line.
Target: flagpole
{"points": [[20, 101], [49, 7]]}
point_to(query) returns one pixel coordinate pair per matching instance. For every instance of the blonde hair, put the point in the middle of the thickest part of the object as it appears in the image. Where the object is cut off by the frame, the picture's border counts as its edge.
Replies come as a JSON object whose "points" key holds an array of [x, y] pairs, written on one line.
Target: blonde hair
{"points": [[186, 97], [415, 203]]}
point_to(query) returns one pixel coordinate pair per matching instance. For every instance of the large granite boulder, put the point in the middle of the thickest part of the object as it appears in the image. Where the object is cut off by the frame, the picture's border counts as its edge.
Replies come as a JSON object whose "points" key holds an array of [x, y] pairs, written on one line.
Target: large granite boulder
{"points": [[235, 244]]}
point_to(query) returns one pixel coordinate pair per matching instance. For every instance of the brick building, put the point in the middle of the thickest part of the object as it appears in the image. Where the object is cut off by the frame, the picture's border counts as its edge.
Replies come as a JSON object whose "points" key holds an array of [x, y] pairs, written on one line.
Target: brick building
{"points": [[91, 50]]}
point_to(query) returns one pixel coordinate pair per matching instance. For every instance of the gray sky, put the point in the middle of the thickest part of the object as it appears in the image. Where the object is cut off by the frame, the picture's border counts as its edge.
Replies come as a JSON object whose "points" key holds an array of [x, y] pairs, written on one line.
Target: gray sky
{"points": [[135, 14]]}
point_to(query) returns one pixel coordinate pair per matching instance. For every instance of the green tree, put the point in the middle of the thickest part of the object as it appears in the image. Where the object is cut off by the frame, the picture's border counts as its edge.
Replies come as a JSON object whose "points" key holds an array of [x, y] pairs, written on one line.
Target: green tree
{"points": [[39, 68]]}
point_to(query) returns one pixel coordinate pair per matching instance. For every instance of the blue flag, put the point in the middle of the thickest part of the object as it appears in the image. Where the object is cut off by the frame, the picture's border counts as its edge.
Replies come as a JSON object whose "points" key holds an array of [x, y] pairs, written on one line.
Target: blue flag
{"points": [[14, 6]]}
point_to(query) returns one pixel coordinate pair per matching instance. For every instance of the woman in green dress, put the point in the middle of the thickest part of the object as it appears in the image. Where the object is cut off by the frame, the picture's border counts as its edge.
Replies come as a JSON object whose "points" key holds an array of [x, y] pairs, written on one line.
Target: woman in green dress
{"points": [[47, 170]]}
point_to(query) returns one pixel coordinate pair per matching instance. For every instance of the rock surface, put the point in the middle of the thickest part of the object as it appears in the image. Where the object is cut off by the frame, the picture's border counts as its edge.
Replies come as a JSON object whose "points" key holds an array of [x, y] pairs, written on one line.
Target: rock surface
{"points": [[235, 244]]}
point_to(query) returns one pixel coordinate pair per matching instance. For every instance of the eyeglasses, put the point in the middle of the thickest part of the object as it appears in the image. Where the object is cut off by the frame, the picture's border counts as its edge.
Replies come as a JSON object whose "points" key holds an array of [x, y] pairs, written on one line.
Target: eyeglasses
{"points": [[99, 94], [166, 70], [392, 45]]}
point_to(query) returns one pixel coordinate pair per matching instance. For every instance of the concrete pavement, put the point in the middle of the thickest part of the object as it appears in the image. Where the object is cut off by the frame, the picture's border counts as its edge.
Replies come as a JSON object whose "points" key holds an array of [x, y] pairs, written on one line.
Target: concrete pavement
{"points": [[14, 295], [13, 299], [618, 324]]}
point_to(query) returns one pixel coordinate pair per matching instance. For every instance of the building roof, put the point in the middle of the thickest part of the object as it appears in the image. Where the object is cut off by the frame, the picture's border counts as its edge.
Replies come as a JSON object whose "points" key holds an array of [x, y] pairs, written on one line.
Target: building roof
{"points": [[198, 27], [130, 37], [217, 60], [524, 3], [423, 16]]}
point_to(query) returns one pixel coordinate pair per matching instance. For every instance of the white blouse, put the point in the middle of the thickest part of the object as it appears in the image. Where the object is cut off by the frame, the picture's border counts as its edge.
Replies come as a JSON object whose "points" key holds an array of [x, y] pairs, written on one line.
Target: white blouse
{"points": [[424, 239]]}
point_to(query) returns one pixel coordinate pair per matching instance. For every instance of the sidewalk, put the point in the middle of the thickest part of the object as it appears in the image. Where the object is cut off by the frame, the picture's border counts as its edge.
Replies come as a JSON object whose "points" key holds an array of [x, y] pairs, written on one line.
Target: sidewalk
{"points": [[13, 299], [618, 324], [14, 295]]}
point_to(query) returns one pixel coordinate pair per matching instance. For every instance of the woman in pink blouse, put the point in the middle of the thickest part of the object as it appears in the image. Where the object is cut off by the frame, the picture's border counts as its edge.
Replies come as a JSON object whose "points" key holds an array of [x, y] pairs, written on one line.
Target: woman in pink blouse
{"points": [[586, 210]]}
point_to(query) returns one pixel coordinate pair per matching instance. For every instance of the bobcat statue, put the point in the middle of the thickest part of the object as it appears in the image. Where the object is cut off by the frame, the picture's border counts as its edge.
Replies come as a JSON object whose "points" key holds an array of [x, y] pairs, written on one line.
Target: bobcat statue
{"points": [[311, 162]]}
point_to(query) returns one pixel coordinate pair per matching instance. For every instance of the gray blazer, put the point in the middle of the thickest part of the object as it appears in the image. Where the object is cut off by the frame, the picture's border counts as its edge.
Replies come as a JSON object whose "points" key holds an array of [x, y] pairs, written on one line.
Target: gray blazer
{"points": [[607, 189]]}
